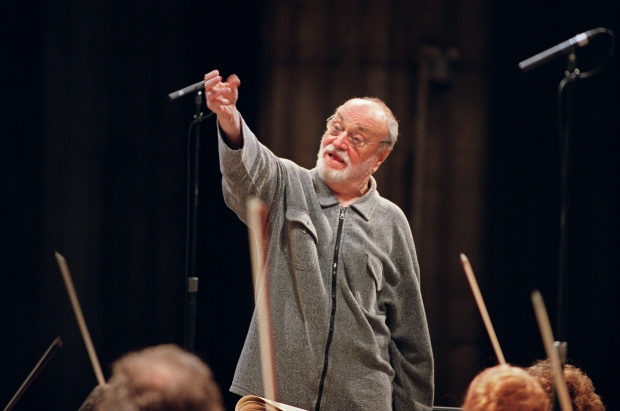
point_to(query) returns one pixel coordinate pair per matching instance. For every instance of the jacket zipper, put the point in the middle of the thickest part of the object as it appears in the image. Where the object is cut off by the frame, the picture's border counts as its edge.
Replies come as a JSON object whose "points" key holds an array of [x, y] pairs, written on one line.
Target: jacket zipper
{"points": [[333, 311]]}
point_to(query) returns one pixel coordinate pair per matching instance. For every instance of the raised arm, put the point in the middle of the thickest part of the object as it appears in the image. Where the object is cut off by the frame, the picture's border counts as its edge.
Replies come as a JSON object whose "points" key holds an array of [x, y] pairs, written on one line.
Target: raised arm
{"points": [[248, 167], [222, 99]]}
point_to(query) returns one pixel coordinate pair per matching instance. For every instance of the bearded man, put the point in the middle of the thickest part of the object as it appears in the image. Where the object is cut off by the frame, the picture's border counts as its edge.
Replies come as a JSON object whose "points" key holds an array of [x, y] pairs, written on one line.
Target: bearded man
{"points": [[349, 327]]}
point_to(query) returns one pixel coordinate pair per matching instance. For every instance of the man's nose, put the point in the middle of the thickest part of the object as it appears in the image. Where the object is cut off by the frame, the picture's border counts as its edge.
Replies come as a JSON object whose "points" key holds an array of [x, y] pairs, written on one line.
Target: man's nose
{"points": [[341, 140]]}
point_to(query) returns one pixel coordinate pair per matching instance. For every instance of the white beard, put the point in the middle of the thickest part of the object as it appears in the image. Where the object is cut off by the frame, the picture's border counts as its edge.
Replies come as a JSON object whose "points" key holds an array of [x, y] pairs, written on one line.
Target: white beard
{"points": [[349, 173]]}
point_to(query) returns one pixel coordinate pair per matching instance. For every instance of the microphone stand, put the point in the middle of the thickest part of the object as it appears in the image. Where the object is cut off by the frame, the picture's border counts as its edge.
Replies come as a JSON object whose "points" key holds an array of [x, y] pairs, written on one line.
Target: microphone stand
{"points": [[564, 114], [191, 280], [572, 73], [566, 87]]}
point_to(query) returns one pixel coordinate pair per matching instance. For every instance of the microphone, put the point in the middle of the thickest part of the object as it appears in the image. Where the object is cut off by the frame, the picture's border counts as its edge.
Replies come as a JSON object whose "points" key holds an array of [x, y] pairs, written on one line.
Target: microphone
{"points": [[565, 47], [186, 90]]}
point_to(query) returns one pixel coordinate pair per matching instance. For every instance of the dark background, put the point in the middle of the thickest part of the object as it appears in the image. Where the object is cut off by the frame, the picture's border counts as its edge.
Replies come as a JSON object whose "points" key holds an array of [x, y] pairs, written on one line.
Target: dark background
{"points": [[93, 162], [523, 198]]}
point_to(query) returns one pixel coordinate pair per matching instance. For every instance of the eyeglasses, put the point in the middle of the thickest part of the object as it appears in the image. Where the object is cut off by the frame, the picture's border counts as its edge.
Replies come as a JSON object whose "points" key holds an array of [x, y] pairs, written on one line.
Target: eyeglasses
{"points": [[355, 139]]}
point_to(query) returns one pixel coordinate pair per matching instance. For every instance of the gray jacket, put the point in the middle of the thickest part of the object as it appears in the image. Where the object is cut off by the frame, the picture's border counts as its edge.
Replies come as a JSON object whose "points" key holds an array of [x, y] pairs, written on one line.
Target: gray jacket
{"points": [[348, 321]]}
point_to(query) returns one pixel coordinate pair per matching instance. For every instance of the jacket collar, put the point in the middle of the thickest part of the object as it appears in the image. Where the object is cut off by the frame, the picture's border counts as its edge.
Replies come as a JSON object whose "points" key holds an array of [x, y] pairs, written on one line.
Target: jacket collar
{"points": [[363, 205]]}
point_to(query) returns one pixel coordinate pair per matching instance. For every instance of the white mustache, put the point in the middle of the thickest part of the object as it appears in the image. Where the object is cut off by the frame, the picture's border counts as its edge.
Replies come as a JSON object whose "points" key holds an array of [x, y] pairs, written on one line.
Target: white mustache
{"points": [[341, 153]]}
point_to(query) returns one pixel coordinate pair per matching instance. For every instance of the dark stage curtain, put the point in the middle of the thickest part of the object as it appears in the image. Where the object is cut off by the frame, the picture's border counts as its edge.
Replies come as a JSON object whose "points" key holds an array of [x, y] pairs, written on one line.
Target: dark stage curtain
{"points": [[95, 167]]}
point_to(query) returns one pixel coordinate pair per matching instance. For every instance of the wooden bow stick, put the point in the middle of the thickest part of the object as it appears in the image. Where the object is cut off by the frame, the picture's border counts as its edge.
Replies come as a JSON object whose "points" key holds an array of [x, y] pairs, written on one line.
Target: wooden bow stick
{"points": [[64, 269], [482, 308], [547, 337], [257, 230], [47, 356]]}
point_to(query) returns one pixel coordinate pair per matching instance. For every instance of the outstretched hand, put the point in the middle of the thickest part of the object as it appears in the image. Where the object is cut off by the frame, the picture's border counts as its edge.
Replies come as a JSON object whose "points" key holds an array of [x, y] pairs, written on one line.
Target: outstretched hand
{"points": [[221, 98]]}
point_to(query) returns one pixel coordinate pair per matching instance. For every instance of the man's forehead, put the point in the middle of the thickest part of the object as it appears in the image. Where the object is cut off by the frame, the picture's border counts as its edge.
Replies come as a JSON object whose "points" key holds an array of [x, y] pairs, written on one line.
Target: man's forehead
{"points": [[364, 113], [360, 103], [360, 107]]}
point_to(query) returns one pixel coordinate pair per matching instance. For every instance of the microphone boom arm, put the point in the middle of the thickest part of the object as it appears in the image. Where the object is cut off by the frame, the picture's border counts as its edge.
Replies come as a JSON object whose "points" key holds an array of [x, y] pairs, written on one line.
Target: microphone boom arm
{"points": [[186, 90], [565, 47]]}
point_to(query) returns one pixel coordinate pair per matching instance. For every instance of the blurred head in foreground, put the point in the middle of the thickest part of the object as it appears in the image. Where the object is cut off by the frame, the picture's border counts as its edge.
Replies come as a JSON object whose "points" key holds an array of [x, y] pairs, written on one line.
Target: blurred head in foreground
{"points": [[160, 378], [579, 385], [505, 388]]}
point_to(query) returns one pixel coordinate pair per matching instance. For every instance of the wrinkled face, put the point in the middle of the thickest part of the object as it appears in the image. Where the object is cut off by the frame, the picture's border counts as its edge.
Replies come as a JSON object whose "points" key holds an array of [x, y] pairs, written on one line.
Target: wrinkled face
{"points": [[351, 148]]}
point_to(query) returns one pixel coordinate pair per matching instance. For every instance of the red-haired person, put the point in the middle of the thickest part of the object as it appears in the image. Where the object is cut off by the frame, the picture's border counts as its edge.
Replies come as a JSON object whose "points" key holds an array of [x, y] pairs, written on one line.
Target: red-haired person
{"points": [[579, 385], [505, 388]]}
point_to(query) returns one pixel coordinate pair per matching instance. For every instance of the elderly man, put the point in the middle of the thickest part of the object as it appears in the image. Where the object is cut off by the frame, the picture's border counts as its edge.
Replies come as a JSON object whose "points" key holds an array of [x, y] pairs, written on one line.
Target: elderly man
{"points": [[349, 327]]}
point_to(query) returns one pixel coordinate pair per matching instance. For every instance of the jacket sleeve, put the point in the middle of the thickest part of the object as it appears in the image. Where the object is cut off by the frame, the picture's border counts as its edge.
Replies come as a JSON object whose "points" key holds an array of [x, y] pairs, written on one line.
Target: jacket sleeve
{"points": [[252, 170], [411, 353]]}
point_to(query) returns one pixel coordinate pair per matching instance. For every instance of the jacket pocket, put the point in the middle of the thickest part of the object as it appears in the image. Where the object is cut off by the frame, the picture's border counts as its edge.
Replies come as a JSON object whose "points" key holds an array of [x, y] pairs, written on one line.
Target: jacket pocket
{"points": [[365, 278], [301, 240]]}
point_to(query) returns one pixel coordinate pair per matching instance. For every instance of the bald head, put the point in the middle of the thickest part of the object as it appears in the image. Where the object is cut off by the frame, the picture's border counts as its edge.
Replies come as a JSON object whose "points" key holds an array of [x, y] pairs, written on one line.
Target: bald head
{"points": [[379, 113]]}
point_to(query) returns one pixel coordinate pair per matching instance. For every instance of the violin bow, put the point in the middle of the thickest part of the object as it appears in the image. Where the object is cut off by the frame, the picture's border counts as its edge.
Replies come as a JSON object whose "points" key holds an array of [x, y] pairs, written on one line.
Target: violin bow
{"points": [[547, 336], [45, 358], [258, 236], [482, 307], [64, 269]]}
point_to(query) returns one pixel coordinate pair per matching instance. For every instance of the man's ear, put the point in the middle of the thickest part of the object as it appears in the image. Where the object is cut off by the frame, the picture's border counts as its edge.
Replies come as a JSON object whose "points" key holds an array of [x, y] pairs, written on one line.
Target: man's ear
{"points": [[380, 159]]}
